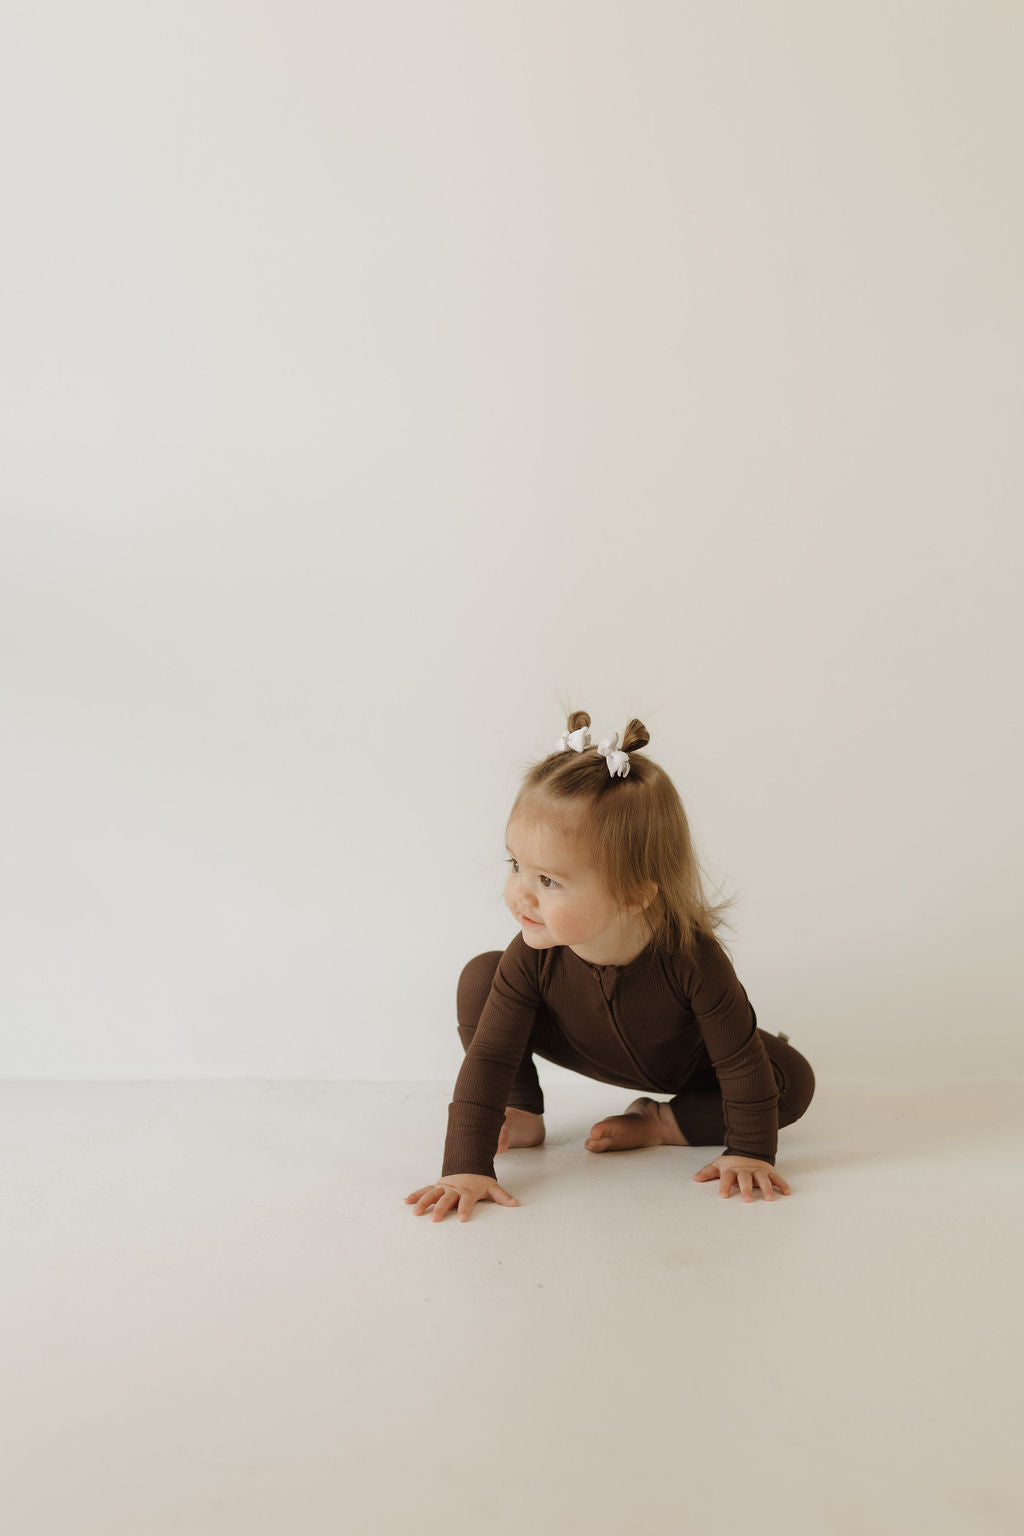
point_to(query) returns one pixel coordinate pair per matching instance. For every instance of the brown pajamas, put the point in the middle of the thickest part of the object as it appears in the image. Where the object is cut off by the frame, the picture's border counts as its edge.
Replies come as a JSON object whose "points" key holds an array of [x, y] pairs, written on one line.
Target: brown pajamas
{"points": [[659, 1024]]}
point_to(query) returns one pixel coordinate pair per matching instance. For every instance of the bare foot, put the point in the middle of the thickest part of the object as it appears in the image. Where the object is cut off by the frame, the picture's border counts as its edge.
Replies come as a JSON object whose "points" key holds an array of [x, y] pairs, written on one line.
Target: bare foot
{"points": [[521, 1129], [646, 1123]]}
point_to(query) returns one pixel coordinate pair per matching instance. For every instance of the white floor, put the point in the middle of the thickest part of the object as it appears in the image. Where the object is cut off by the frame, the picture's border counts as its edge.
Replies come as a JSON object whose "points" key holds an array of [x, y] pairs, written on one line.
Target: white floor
{"points": [[218, 1316]]}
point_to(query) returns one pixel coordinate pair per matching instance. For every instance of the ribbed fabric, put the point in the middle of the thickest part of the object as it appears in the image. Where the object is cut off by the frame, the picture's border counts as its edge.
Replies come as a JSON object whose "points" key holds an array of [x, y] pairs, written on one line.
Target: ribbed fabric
{"points": [[652, 1025]]}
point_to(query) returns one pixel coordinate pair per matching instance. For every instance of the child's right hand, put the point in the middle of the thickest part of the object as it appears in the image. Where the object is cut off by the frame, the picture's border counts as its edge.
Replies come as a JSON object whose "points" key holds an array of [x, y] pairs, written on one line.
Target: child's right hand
{"points": [[463, 1189]]}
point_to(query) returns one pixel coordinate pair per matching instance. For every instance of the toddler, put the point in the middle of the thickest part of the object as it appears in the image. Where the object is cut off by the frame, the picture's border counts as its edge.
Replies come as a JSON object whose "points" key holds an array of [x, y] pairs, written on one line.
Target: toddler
{"points": [[615, 973]]}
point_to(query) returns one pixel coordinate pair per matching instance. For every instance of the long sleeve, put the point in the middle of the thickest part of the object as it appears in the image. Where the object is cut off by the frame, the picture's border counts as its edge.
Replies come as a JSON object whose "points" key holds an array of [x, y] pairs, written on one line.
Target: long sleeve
{"points": [[477, 1110], [750, 1094]]}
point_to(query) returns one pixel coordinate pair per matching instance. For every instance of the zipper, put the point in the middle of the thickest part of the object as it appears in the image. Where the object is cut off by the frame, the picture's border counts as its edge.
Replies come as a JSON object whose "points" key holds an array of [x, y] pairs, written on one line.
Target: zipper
{"points": [[640, 1069]]}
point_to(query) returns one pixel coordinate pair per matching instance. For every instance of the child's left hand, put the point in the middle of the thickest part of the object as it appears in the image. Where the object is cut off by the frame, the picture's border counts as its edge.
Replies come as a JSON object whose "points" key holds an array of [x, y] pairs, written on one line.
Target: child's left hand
{"points": [[743, 1170]]}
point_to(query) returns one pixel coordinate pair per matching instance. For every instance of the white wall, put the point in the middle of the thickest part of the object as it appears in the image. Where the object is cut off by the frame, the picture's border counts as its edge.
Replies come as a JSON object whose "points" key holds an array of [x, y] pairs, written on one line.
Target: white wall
{"points": [[375, 373]]}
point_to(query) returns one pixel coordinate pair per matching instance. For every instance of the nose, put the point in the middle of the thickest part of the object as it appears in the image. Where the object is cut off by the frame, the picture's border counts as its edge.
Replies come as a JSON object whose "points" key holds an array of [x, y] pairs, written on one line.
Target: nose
{"points": [[520, 899]]}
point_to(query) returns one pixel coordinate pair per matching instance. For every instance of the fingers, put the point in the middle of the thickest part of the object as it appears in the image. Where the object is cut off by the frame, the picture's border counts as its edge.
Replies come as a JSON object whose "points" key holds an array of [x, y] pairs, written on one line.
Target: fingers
{"points": [[428, 1196], [445, 1199], [770, 1181], [743, 1179], [424, 1197], [450, 1198]]}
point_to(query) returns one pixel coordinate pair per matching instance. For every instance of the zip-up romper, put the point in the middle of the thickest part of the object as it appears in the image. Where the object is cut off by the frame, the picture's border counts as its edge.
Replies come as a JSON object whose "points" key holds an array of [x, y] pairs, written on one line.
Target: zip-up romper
{"points": [[658, 1024]]}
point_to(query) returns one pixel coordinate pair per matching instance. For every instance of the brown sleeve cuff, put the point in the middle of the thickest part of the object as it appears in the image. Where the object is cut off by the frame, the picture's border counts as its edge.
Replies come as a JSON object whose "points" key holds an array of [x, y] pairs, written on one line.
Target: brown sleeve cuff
{"points": [[473, 1131], [765, 1157]]}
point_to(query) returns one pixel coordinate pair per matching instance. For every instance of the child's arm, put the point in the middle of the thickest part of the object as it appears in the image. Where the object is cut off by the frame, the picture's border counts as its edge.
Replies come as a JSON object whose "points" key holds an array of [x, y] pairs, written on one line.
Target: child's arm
{"points": [[463, 1189], [476, 1113], [728, 1024]]}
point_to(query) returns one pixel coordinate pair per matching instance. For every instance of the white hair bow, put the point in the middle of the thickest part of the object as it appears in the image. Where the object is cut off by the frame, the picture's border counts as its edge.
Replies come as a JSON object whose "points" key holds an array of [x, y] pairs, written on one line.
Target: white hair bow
{"points": [[577, 741], [618, 762]]}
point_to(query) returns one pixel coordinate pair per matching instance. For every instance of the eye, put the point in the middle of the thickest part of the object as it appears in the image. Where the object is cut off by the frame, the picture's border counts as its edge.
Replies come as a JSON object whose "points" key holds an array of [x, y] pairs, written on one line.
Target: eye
{"points": [[552, 885]]}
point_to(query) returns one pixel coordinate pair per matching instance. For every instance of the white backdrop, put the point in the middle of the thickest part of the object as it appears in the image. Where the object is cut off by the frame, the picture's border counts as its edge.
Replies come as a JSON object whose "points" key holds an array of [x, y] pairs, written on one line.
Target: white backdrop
{"points": [[375, 374]]}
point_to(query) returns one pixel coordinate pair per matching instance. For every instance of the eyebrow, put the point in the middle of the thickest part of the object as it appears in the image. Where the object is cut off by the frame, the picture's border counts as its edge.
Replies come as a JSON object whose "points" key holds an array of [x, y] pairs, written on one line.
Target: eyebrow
{"points": [[546, 871]]}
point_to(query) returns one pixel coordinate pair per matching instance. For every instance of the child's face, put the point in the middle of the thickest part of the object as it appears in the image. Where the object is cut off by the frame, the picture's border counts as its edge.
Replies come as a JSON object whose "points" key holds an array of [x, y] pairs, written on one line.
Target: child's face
{"points": [[557, 898]]}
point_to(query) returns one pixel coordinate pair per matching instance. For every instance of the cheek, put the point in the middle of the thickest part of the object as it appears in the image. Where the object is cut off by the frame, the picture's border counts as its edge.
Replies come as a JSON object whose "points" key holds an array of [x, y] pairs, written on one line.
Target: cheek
{"points": [[557, 910], [573, 918]]}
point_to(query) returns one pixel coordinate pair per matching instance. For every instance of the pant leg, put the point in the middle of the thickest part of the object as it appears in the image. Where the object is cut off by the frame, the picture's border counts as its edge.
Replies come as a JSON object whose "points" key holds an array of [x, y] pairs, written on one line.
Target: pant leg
{"points": [[471, 995], [698, 1106]]}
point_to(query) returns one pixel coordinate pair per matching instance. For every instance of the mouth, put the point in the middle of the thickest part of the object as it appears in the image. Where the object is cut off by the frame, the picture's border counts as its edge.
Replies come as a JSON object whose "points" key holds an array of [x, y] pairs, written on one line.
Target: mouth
{"points": [[529, 921]]}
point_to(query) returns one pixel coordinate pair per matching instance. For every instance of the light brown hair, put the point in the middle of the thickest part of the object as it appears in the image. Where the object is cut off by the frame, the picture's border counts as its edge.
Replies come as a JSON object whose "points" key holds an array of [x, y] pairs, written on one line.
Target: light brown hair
{"points": [[632, 830]]}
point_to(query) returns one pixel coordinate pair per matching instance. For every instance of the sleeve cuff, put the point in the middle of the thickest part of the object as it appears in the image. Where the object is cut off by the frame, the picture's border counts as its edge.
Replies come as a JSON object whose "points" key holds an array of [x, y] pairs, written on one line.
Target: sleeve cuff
{"points": [[761, 1156]]}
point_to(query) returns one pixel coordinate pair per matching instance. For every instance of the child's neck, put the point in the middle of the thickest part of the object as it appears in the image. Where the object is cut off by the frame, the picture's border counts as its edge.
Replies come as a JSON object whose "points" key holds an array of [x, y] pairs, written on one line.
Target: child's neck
{"points": [[620, 950]]}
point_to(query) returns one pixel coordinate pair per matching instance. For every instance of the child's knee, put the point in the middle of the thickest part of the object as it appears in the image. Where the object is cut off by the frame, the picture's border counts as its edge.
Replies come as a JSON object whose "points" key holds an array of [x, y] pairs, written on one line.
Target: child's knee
{"points": [[799, 1089], [474, 987]]}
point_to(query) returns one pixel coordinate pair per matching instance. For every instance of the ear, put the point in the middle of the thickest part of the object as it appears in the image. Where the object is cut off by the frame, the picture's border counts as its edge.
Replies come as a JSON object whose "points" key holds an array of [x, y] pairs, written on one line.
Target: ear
{"points": [[650, 891]]}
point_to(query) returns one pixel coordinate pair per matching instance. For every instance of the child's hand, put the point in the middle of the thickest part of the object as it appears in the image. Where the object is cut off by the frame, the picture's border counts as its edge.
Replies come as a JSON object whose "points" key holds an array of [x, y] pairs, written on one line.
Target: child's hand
{"points": [[463, 1189], [744, 1170]]}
